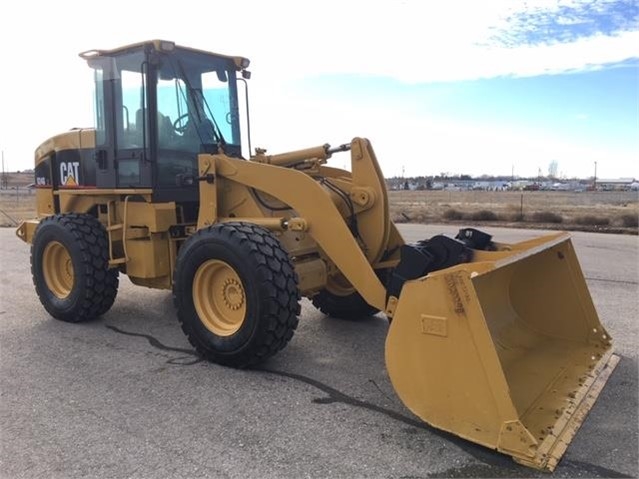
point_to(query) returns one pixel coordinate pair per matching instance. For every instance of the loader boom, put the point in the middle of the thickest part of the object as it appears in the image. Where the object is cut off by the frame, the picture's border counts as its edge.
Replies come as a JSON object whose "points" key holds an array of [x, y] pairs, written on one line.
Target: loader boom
{"points": [[318, 213]]}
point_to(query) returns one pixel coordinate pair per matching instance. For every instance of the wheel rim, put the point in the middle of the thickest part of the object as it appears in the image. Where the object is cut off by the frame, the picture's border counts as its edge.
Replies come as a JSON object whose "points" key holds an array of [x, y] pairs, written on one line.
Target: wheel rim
{"points": [[219, 297], [339, 286], [58, 269]]}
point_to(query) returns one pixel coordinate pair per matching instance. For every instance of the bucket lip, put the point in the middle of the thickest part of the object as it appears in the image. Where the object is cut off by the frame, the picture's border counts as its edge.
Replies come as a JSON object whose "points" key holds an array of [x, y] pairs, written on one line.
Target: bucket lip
{"points": [[551, 450], [492, 260], [515, 252], [549, 242]]}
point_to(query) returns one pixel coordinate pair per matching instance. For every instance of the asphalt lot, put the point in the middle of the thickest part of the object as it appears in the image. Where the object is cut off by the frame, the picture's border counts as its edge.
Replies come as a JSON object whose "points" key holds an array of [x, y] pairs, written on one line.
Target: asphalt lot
{"points": [[125, 396]]}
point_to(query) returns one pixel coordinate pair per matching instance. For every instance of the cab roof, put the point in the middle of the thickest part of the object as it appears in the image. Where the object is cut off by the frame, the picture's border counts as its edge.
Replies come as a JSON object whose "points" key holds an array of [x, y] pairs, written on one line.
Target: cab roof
{"points": [[164, 46]]}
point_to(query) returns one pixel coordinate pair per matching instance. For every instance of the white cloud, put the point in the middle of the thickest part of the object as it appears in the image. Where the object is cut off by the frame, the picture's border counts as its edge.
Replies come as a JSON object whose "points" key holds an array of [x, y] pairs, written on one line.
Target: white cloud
{"points": [[421, 145], [419, 41], [45, 88]]}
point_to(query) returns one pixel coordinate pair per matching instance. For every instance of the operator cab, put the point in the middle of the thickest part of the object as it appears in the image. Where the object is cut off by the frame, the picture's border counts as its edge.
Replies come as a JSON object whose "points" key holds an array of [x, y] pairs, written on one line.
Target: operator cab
{"points": [[157, 106]]}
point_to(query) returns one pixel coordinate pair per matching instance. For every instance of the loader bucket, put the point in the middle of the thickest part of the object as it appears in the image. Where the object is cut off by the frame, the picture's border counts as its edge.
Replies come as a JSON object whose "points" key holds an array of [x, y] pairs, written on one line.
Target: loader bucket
{"points": [[506, 351]]}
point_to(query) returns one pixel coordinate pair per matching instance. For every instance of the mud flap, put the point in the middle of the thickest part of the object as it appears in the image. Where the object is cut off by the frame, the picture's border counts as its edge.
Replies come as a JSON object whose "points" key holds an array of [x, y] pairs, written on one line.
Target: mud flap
{"points": [[506, 351]]}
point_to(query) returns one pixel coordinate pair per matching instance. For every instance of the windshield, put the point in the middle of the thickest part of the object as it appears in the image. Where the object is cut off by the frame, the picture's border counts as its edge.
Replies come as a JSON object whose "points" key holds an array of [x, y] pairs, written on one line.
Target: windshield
{"points": [[196, 98]]}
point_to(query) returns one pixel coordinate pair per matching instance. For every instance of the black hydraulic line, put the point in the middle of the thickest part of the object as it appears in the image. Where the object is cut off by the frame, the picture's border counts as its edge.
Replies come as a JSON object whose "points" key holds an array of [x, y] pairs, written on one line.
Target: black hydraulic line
{"points": [[342, 194], [261, 201]]}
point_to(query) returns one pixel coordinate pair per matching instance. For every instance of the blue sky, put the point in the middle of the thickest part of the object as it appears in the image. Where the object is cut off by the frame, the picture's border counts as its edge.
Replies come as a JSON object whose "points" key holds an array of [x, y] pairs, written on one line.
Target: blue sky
{"points": [[596, 109], [462, 88]]}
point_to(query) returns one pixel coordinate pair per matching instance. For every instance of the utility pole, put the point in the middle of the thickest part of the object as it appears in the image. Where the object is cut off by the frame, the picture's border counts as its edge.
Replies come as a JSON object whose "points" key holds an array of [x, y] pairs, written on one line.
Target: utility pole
{"points": [[594, 183], [3, 180]]}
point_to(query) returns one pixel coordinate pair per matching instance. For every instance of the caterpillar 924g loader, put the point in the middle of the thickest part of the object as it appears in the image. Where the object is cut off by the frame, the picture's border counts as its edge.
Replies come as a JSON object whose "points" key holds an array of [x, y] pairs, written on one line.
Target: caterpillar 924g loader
{"points": [[497, 343]]}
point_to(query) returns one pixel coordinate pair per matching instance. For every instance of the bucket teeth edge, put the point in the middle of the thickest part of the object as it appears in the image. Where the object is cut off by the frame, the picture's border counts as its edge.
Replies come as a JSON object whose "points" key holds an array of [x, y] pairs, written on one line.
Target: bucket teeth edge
{"points": [[548, 460]]}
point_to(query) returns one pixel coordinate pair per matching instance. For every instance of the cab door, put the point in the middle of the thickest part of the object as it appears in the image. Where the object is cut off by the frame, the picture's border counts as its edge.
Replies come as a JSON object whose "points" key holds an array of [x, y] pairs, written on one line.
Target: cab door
{"points": [[123, 158], [132, 148]]}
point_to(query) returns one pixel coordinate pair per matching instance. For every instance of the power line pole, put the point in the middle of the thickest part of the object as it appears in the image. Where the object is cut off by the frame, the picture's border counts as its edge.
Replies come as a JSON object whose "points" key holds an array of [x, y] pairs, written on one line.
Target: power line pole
{"points": [[3, 180]]}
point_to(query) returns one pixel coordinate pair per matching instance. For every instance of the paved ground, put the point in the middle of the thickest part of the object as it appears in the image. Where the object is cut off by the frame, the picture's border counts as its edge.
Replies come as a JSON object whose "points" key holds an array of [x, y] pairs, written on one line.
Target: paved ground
{"points": [[125, 396]]}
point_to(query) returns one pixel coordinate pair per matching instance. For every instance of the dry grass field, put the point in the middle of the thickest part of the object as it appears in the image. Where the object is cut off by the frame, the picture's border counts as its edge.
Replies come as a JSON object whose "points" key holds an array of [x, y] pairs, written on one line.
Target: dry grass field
{"points": [[615, 211], [605, 211], [15, 208]]}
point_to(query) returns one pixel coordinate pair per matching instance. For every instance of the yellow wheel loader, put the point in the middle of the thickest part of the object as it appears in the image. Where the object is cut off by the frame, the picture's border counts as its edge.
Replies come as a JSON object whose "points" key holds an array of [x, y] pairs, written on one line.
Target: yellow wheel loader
{"points": [[497, 343]]}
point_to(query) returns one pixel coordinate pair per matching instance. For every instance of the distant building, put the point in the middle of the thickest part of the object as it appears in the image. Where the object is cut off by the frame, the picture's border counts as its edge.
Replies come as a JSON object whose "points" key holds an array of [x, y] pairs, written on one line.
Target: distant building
{"points": [[618, 184]]}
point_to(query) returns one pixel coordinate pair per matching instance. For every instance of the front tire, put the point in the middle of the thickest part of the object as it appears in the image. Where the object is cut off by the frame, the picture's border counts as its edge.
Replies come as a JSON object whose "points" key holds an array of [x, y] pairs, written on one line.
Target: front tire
{"points": [[236, 293], [349, 307], [70, 267]]}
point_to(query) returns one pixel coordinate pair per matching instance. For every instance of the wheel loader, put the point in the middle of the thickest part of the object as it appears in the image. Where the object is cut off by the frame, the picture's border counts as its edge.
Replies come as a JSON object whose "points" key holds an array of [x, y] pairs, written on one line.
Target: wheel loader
{"points": [[497, 343]]}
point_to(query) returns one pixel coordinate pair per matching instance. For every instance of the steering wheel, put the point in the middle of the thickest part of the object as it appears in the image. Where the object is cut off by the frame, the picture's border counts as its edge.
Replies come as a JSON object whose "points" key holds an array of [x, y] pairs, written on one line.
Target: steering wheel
{"points": [[180, 124]]}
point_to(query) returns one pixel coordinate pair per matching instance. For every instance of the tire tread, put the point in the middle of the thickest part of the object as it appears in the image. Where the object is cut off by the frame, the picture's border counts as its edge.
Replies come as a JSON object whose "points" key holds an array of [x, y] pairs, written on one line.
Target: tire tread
{"points": [[277, 278], [101, 283]]}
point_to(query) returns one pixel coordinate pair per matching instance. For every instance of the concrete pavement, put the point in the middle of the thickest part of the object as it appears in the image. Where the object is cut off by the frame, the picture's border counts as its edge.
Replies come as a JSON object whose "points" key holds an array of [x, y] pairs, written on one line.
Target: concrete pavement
{"points": [[125, 396]]}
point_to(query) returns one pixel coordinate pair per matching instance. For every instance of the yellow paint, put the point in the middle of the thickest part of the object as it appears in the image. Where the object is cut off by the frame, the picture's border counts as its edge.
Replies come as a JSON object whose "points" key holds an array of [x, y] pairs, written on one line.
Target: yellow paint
{"points": [[57, 269], [502, 351], [219, 297]]}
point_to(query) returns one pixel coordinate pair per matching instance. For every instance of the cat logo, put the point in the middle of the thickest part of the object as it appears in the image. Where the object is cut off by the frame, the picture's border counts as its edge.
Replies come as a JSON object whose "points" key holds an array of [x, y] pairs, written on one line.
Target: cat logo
{"points": [[69, 173]]}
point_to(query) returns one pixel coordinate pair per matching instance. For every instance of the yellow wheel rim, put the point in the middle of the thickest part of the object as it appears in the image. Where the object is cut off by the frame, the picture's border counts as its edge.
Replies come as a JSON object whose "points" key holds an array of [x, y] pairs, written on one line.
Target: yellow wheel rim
{"points": [[339, 286], [58, 269], [219, 297]]}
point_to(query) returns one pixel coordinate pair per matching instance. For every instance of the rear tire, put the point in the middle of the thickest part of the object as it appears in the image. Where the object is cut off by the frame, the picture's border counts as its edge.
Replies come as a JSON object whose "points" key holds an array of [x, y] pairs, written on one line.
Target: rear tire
{"points": [[236, 293], [70, 267]]}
